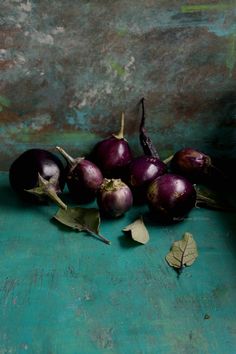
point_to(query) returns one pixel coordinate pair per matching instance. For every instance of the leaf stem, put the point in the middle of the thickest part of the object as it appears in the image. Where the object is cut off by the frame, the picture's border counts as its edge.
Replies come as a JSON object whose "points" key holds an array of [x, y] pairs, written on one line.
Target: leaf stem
{"points": [[101, 237]]}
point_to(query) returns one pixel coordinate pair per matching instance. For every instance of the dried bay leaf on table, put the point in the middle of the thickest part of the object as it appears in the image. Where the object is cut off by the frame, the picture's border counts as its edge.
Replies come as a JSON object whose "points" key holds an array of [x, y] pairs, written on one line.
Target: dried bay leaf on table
{"points": [[183, 252], [138, 231], [81, 219]]}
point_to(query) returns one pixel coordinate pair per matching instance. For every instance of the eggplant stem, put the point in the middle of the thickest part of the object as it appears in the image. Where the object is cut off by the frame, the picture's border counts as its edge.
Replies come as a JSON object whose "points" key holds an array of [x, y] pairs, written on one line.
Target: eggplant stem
{"points": [[54, 197], [145, 141], [168, 159], [120, 134], [47, 188], [71, 161]]}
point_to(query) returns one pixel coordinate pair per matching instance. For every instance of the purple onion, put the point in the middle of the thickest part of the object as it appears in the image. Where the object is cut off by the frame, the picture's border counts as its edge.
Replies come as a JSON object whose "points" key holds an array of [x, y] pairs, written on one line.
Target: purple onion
{"points": [[170, 197], [83, 178], [192, 164], [141, 171], [113, 154], [114, 198]]}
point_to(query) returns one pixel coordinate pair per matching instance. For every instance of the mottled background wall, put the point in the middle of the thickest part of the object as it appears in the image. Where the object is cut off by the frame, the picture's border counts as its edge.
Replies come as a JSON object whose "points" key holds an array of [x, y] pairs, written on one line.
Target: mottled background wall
{"points": [[68, 69]]}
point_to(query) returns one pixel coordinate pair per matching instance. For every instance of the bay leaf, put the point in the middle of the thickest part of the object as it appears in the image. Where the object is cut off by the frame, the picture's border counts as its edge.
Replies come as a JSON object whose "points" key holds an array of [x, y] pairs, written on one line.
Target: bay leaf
{"points": [[81, 219], [183, 252], [138, 231]]}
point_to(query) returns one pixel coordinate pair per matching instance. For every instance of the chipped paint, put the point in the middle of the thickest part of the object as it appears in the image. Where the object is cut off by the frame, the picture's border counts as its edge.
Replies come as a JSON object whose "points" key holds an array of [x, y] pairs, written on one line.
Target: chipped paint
{"points": [[27, 7], [42, 37], [83, 65], [4, 101], [231, 55], [207, 7], [117, 68]]}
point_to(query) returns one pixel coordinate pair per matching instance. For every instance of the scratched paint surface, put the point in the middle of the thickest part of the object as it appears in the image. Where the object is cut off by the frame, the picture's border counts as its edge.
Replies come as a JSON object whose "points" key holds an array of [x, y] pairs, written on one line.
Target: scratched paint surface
{"points": [[68, 69], [63, 292]]}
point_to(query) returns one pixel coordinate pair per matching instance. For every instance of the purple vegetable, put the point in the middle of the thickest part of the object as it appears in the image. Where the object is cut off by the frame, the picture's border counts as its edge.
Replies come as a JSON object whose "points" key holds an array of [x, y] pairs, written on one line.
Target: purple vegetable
{"points": [[83, 178], [37, 174], [113, 154], [170, 197], [114, 198], [146, 143], [141, 171], [192, 164]]}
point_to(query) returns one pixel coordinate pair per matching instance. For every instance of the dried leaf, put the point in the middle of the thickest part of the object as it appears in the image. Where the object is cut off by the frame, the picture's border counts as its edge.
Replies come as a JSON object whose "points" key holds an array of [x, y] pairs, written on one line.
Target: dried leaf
{"points": [[183, 252], [81, 219], [138, 231]]}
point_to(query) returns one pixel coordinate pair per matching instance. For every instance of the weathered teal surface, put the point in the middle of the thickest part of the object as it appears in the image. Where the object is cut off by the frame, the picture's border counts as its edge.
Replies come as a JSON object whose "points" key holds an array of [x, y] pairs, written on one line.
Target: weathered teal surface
{"points": [[68, 293], [69, 68]]}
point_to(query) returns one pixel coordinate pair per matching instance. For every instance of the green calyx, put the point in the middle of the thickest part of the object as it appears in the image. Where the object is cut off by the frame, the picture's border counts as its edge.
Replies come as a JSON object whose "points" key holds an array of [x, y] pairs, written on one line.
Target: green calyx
{"points": [[48, 188]]}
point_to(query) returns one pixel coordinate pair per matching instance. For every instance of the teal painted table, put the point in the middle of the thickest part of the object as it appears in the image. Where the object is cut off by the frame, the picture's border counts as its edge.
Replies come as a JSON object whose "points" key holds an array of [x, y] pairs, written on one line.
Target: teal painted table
{"points": [[63, 292]]}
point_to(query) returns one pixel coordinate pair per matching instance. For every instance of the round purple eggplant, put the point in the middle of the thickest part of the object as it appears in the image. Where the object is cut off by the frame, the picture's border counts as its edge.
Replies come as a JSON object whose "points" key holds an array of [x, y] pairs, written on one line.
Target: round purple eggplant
{"points": [[113, 154], [170, 198], [191, 163], [141, 171], [38, 174], [83, 178], [114, 198]]}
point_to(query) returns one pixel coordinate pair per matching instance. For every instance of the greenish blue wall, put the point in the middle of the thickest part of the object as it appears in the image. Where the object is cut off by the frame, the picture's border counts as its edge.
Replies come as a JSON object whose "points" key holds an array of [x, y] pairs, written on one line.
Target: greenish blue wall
{"points": [[68, 69]]}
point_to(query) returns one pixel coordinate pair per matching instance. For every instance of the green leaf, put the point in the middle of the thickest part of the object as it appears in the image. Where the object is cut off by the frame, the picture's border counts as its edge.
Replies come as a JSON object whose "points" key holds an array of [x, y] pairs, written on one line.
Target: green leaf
{"points": [[182, 253], [211, 199], [81, 219], [138, 231]]}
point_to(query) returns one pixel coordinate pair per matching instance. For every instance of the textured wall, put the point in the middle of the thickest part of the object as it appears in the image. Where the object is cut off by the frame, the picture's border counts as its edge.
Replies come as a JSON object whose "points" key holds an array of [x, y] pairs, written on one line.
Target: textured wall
{"points": [[68, 69]]}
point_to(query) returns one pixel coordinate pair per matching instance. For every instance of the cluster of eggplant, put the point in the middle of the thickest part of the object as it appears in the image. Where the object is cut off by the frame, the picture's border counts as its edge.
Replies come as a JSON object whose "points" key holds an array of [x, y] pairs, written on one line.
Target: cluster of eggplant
{"points": [[113, 176]]}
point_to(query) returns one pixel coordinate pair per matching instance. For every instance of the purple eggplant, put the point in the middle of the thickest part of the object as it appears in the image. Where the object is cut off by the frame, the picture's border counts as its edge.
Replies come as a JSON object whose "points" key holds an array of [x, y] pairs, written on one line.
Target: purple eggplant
{"points": [[37, 175], [114, 198], [170, 198], [144, 169], [192, 164], [141, 171], [113, 154], [145, 141], [83, 178]]}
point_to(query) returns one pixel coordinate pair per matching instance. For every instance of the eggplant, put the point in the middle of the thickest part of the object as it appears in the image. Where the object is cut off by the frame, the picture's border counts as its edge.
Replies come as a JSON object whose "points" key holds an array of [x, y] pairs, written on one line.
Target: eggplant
{"points": [[38, 175], [83, 177], [113, 154], [171, 197], [114, 198]]}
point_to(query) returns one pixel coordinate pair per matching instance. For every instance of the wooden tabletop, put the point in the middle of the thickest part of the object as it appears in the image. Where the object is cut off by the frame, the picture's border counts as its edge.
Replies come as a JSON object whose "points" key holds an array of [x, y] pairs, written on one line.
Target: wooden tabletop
{"points": [[64, 292]]}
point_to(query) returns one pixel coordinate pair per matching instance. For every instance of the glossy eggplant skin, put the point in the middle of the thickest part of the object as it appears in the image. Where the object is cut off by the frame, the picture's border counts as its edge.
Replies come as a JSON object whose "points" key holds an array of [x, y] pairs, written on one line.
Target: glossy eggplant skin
{"points": [[83, 180], [170, 198], [112, 156], [23, 173], [114, 198], [191, 163], [141, 172], [144, 169]]}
